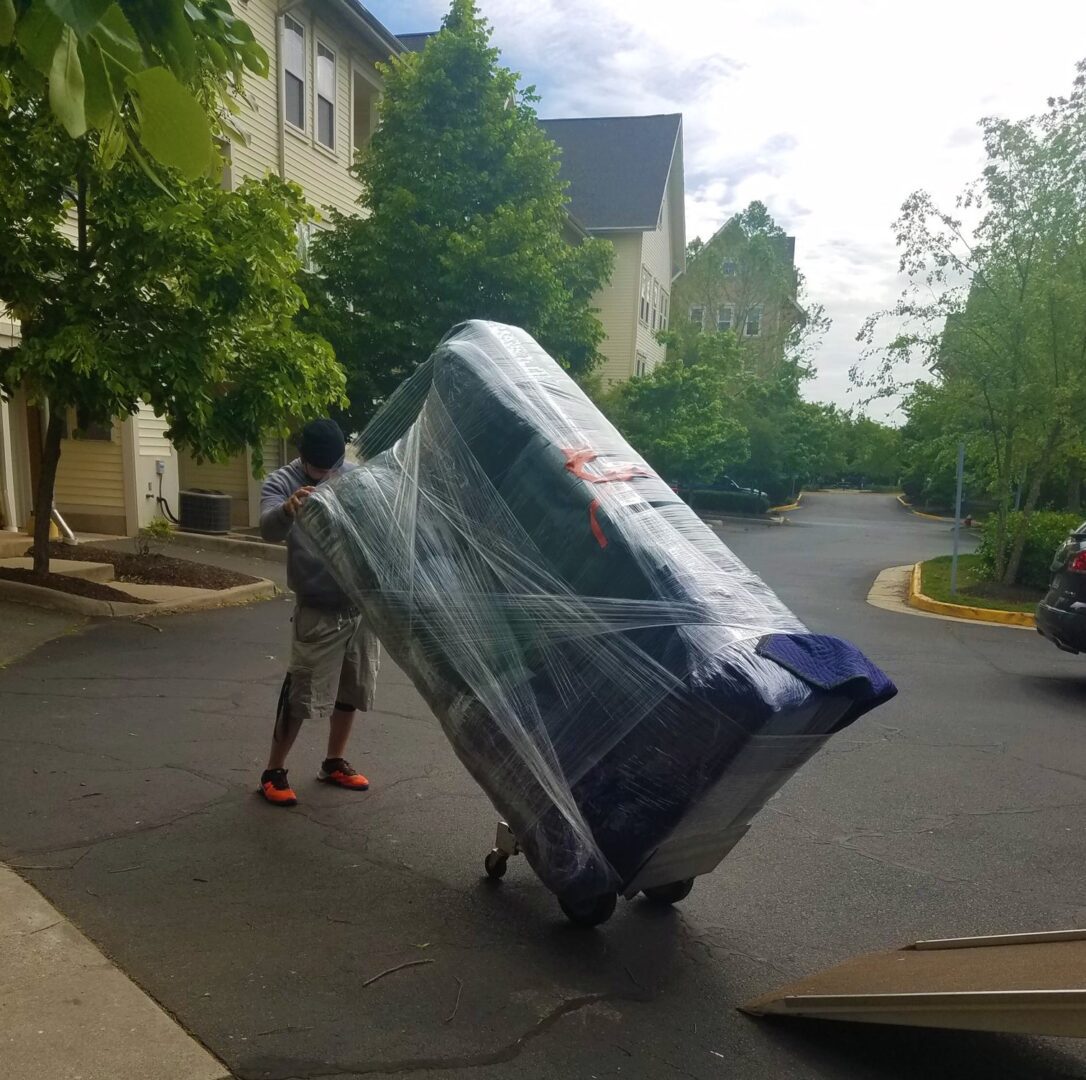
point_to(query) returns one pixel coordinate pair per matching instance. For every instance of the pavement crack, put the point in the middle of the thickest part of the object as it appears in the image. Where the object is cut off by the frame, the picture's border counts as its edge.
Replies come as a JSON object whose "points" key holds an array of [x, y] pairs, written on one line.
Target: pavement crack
{"points": [[105, 838], [404, 1066]]}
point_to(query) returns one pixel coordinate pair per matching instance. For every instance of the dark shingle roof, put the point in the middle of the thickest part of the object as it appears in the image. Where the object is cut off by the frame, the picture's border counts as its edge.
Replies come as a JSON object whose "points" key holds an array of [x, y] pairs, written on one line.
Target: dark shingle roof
{"points": [[416, 42], [617, 167]]}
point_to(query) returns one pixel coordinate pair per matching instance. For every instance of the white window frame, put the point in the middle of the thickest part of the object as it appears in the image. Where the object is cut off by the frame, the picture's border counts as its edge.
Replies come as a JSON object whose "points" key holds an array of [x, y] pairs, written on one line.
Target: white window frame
{"points": [[645, 307], [372, 78], [318, 44], [700, 320], [287, 121], [655, 303], [642, 364], [730, 309], [756, 314], [729, 267], [665, 309]]}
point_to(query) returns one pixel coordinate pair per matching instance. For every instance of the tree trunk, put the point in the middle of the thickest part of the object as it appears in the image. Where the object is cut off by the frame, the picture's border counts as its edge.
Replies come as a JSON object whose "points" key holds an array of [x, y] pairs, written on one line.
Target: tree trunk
{"points": [[43, 500], [1074, 487], [1014, 561]]}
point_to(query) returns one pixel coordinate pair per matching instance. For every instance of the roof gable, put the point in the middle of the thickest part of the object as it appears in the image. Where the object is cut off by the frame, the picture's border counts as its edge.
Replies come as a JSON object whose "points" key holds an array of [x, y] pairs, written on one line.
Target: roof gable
{"points": [[617, 167]]}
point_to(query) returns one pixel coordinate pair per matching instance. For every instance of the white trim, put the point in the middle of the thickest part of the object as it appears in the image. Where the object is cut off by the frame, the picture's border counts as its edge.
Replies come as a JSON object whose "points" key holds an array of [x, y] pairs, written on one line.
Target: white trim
{"points": [[370, 76], [130, 475], [7, 480], [319, 44], [289, 124], [254, 486]]}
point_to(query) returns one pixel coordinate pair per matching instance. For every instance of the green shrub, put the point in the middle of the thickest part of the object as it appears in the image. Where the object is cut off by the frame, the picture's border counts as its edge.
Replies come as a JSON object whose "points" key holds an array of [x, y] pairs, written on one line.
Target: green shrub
{"points": [[726, 502], [1046, 530]]}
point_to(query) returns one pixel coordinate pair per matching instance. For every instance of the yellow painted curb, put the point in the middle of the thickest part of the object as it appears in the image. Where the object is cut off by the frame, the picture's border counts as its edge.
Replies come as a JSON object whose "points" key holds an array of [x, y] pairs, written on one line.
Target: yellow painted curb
{"points": [[918, 600], [790, 506], [929, 517]]}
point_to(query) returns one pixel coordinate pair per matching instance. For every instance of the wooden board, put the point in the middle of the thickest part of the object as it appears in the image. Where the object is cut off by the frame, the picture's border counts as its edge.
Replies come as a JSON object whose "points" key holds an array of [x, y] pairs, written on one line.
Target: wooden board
{"points": [[1027, 983]]}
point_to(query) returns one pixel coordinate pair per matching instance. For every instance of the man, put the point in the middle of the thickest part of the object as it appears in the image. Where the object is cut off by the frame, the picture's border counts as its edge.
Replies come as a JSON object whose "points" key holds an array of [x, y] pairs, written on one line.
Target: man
{"points": [[333, 656]]}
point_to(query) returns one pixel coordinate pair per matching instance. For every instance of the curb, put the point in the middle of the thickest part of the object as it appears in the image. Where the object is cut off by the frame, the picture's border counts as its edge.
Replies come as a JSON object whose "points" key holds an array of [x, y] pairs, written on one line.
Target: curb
{"points": [[727, 519], [920, 514], [790, 506], [232, 545], [918, 600], [52, 600]]}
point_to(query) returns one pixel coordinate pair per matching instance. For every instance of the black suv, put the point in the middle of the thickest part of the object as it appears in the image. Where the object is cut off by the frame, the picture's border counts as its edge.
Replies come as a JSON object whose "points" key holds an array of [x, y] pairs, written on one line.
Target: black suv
{"points": [[1061, 615]]}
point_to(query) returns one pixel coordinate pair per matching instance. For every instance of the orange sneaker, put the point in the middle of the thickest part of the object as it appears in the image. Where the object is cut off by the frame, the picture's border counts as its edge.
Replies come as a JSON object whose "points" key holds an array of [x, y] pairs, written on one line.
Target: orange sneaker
{"points": [[274, 788], [337, 771]]}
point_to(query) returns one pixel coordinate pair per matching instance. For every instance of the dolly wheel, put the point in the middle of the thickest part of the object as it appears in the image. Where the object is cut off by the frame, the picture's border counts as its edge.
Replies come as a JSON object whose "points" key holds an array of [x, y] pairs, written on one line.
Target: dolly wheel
{"points": [[591, 912], [495, 864], [669, 894]]}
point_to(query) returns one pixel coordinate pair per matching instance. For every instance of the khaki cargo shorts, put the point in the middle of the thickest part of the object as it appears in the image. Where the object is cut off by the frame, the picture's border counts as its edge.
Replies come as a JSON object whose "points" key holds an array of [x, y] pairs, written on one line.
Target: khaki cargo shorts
{"points": [[333, 663]]}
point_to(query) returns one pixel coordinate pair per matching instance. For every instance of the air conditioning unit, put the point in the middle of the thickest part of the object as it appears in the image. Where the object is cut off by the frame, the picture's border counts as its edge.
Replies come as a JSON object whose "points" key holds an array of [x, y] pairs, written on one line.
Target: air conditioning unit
{"points": [[205, 511]]}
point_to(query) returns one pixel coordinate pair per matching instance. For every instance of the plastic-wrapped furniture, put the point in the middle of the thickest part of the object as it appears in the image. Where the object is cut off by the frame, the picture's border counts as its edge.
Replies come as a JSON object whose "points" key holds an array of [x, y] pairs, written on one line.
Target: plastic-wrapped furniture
{"points": [[625, 690]]}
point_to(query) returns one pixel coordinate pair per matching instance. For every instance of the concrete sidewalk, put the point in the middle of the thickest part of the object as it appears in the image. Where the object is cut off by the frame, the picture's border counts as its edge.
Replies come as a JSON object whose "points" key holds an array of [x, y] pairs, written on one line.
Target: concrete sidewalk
{"points": [[67, 1013]]}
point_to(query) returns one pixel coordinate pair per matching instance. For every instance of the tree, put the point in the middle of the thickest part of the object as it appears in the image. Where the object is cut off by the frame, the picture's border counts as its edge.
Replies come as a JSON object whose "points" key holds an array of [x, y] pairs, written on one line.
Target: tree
{"points": [[175, 292], [159, 77], [680, 415], [997, 312], [462, 216]]}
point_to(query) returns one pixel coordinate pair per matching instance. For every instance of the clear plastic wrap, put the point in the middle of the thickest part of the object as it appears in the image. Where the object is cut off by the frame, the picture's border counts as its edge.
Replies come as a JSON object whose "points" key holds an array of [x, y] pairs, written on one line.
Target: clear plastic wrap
{"points": [[625, 690]]}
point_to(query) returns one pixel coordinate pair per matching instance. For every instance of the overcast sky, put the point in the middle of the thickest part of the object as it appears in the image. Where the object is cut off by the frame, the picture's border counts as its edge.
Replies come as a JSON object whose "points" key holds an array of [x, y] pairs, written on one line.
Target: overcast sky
{"points": [[830, 112]]}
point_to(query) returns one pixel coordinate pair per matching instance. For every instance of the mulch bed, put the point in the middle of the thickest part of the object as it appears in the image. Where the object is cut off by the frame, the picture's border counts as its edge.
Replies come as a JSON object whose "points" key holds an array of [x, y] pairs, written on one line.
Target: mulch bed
{"points": [[94, 590], [155, 569]]}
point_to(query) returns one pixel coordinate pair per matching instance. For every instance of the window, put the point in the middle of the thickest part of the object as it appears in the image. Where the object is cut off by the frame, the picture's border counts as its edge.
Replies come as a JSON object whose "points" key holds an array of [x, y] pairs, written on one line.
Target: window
{"points": [[304, 232], [326, 96], [697, 316], [665, 309], [294, 72], [728, 267], [645, 311], [364, 99], [79, 425], [655, 303], [642, 364], [725, 315], [754, 321]]}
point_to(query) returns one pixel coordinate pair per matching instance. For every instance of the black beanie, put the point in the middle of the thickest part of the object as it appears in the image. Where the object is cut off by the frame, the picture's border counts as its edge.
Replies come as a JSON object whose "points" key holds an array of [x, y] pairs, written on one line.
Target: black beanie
{"points": [[321, 444]]}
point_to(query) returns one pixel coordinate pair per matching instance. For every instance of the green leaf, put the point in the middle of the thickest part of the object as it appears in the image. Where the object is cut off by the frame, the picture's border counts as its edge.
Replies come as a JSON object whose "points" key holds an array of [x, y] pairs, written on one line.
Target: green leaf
{"points": [[38, 34], [81, 15], [173, 127], [118, 40], [7, 21], [98, 97], [66, 85]]}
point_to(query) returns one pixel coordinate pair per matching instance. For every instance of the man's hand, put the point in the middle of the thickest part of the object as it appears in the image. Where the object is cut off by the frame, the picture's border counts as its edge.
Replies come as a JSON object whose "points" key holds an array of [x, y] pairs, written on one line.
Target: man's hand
{"points": [[294, 503]]}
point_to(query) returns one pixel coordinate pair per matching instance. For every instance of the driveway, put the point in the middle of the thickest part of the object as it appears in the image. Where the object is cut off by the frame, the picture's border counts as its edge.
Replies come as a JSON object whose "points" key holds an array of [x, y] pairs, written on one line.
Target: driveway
{"points": [[131, 754]]}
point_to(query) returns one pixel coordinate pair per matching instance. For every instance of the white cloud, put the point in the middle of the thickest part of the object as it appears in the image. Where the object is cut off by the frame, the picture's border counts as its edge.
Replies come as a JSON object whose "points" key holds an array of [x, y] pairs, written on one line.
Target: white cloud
{"points": [[830, 113]]}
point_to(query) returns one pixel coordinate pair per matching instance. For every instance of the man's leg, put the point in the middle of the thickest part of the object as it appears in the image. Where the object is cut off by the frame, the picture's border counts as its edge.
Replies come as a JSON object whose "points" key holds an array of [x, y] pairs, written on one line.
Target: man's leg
{"points": [[315, 658], [286, 729], [357, 679], [339, 729]]}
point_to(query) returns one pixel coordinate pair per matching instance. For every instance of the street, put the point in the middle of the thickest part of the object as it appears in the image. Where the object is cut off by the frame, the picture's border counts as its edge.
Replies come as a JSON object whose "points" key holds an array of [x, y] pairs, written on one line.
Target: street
{"points": [[132, 753]]}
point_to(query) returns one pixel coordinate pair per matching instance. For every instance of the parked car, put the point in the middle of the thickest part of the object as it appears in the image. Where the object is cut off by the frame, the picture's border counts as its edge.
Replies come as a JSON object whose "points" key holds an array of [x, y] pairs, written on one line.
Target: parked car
{"points": [[726, 483], [1061, 615]]}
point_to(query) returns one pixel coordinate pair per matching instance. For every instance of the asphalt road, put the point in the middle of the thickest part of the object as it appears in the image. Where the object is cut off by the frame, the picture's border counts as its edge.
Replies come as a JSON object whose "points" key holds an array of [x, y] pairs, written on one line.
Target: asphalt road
{"points": [[131, 754]]}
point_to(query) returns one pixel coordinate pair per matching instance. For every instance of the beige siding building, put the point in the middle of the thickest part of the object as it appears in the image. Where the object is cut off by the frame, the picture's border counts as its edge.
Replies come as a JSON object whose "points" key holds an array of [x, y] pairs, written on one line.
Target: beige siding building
{"points": [[316, 109], [625, 178]]}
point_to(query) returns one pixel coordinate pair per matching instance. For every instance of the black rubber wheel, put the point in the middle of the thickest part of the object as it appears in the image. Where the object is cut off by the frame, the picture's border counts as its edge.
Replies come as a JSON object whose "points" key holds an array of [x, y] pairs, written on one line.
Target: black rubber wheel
{"points": [[495, 865], [589, 912], [669, 894]]}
